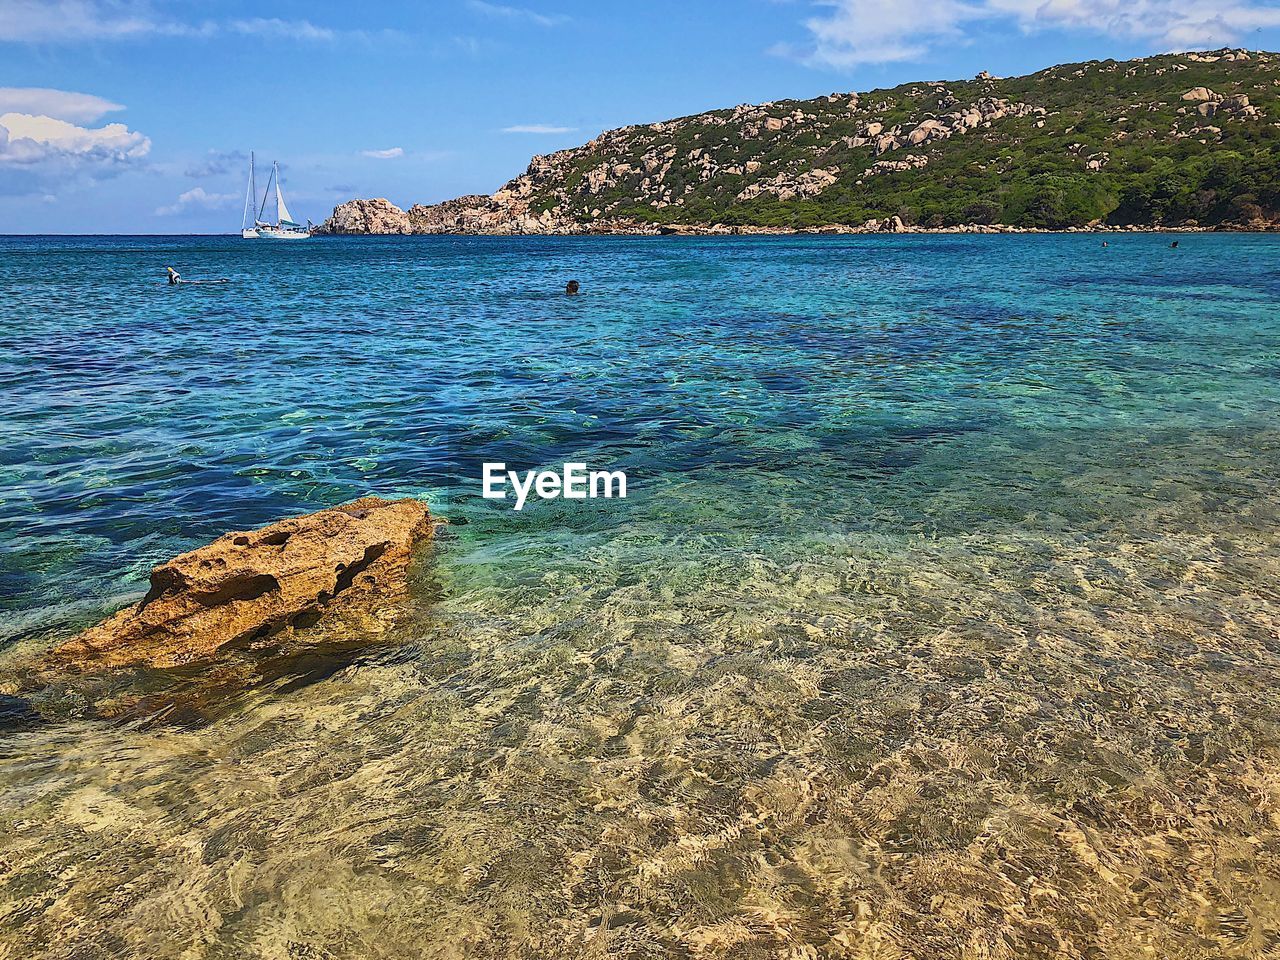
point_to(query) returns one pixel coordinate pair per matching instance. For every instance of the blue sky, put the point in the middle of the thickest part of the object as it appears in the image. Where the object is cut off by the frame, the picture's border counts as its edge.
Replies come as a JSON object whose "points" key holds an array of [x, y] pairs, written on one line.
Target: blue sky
{"points": [[136, 116]]}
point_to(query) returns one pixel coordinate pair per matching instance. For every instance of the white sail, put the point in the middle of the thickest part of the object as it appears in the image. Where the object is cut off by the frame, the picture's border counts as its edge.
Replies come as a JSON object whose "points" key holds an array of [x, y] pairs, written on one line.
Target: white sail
{"points": [[250, 199], [282, 212]]}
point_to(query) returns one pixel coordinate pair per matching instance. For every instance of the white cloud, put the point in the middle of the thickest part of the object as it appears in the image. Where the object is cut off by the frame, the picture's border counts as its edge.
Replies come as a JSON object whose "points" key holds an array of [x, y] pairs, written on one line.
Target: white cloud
{"points": [[54, 20], [198, 198], [39, 152], [36, 141], [880, 31], [537, 128], [389, 154], [76, 107], [282, 29], [1173, 24], [503, 12], [67, 21], [852, 32]]}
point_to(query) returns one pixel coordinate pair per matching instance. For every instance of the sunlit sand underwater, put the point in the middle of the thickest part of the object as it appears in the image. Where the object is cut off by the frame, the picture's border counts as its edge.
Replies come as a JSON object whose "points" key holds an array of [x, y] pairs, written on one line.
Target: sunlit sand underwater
{"points": [[942, 618]]}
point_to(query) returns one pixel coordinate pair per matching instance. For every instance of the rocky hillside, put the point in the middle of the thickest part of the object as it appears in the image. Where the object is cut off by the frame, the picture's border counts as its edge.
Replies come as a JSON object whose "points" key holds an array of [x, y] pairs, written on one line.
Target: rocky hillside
{"points": [[1175, 140]]}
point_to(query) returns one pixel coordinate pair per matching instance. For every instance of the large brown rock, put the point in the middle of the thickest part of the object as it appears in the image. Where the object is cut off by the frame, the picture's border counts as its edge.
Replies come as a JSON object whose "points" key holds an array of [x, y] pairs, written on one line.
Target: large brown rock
{"points": [[254, 587], [378, 217]]}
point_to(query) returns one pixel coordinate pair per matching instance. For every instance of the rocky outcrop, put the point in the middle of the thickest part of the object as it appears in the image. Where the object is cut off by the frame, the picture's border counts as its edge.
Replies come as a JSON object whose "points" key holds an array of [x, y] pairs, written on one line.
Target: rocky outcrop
{"points": [[474, 214], [502, 214], [892, 224], [911, 162], [785, 186], [258, 587], [379, 216], [1208, 103]]}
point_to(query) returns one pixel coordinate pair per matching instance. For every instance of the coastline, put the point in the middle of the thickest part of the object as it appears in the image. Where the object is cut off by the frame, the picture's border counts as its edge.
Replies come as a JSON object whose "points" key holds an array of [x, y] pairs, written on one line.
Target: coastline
{"points": [[487, 216], [835, 229]]}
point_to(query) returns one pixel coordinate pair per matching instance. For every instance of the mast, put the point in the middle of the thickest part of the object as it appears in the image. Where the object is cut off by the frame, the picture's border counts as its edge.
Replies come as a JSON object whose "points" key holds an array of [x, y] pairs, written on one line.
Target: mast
{"points": [[250, 195]]}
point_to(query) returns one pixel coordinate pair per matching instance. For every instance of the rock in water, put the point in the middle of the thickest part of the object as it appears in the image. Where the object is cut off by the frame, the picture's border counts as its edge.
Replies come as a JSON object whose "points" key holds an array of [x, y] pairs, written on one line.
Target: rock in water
{"points": [[379, 216], [246, 587]]}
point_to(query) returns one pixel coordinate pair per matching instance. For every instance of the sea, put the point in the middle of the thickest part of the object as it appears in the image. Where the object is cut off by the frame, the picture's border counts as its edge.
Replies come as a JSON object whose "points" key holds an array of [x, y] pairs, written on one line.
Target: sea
{"points": [[941, 618]]}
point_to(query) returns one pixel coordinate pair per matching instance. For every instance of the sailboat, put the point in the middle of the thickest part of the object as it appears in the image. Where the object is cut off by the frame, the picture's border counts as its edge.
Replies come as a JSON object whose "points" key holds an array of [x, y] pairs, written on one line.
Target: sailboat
{"points": [[250, 201], [284, 228]]}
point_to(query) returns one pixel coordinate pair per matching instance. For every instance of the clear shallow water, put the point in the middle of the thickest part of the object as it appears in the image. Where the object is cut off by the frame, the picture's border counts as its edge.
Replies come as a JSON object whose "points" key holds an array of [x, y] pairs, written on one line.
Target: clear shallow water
{"points": [[941, 619]]}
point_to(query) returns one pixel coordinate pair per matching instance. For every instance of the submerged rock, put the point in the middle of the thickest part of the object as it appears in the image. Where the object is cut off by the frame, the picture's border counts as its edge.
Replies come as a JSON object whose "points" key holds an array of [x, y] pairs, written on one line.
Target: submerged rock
{"points": [[256, 587], [16, 713]]}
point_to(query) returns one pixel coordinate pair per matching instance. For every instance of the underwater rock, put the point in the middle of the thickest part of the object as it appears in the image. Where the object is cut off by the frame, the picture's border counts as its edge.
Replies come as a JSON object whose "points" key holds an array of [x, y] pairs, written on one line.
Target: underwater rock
{"points": [[16, 713], [248, 588]]}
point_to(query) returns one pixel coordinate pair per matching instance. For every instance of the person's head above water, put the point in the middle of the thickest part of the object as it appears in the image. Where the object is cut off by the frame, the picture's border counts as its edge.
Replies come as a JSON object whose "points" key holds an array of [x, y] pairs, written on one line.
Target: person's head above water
{"points": [[571, 288]]}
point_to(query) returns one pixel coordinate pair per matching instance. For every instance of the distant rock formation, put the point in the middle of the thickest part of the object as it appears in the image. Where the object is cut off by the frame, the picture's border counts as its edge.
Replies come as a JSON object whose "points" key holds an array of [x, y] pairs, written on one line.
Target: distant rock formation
{"points": [[266, 585], [1073, 145], [378, 216], [474, 214]]}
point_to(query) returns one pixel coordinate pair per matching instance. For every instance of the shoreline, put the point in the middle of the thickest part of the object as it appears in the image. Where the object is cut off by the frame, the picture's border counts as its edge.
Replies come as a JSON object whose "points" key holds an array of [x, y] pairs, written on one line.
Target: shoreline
{"points": [[722, 230], [702, 230]]}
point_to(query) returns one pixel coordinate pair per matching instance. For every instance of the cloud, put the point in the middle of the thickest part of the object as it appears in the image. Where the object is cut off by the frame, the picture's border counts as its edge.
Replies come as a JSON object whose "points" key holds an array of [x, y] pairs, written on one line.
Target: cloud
{"points": [[282, 29], [198, 198], [537, 128], [502, 12], [68, 21], [39, 152], [36, 141], [855, 32], [388, 154], [65, 21], [41, 20], [1171, 24], [848, 33], [217, 163], [41, 101]]}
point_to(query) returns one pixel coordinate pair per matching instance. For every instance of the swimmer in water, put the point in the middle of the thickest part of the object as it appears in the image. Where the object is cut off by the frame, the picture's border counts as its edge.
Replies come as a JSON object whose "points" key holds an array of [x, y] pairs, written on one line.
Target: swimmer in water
{"points": [[174, 277], [1174, 245], [571, 288]]}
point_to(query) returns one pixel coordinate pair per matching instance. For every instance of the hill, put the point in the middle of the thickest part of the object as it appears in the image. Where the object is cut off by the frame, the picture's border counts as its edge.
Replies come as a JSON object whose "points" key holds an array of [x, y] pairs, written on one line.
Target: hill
{"points": [[1186, 140]]}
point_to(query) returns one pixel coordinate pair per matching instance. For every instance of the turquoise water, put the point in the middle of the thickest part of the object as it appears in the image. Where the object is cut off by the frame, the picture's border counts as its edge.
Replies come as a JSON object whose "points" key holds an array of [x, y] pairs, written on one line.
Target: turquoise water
{"points": [[941, 618]]}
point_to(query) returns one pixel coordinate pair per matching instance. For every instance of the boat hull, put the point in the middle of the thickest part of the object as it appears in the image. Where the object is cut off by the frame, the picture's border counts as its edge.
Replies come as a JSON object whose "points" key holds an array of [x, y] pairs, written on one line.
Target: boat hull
{"points": [[249, 234], [274, 233]]}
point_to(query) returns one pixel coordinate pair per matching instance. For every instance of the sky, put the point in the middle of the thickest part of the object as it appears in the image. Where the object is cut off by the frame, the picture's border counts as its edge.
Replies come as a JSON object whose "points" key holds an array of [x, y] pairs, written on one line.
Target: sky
{"points": [[137, 116]]}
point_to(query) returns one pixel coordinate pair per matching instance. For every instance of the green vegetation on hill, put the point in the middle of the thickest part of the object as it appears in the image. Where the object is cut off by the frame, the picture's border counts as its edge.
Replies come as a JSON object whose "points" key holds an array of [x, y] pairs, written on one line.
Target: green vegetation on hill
{"points": [[1101, 141]]}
